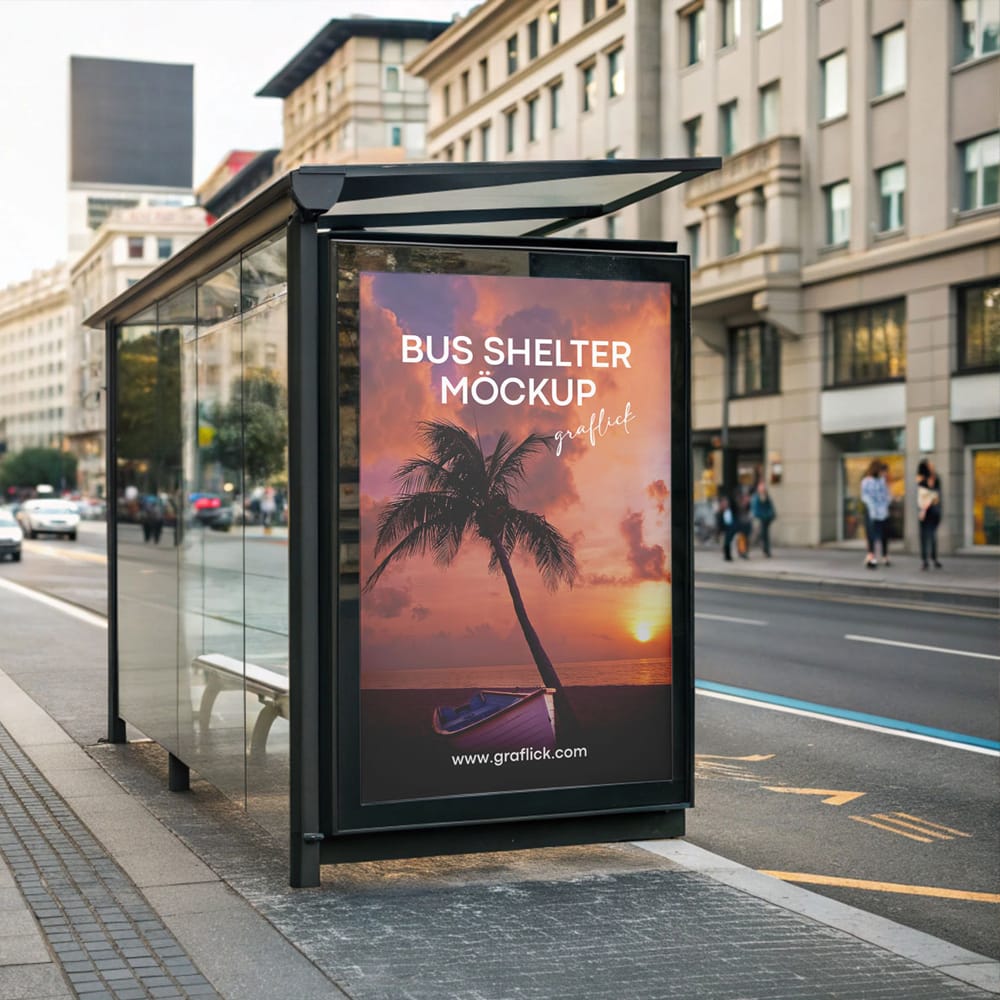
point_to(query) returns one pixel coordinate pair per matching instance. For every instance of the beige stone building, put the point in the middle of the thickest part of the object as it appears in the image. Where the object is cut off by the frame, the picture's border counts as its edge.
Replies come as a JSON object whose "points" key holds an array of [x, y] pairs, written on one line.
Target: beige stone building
{"points": [[348, 97], [846, 291], [127, 246], [35, 325], [846, 300], [541, 80]]}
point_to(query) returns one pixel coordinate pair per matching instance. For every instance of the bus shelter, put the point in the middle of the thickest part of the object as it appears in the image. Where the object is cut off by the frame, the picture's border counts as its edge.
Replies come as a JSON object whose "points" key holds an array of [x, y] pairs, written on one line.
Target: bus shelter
{"points": [[399, 550]]}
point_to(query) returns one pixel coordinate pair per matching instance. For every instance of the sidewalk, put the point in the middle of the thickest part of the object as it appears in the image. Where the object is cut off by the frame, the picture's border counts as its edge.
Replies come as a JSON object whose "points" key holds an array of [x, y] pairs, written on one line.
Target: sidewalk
{"points": [[966, 577], [113, 887]]}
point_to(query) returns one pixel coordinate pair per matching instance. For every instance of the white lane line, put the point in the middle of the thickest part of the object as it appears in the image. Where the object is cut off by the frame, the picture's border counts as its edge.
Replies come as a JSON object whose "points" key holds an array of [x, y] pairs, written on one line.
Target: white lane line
{"points": [[853, 723], [64, 606], [927, 649], [728, 618]]}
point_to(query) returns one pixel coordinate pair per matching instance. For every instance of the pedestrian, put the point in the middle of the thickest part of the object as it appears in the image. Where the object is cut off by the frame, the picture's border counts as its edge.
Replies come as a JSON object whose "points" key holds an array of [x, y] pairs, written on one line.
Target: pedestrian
{"points": [[763, 510], [268, 509], [875, 497], [152, 519], [726, 523], [928, 511]]}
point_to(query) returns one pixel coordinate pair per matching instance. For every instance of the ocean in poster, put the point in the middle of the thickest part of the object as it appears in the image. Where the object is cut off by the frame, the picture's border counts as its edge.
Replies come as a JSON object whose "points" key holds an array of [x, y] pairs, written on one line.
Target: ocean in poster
{"points": [[583, 673]]}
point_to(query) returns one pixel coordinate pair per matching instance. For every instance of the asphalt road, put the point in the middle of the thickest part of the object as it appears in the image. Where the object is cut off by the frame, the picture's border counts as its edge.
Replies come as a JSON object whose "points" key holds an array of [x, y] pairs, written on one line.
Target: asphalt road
{"points": [[902, 827], [907, 827]]}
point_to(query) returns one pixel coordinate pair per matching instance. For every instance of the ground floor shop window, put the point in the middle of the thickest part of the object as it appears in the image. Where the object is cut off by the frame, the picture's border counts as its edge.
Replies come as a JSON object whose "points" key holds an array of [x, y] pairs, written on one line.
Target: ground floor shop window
{"points": [[985, 482], [853, 469]]}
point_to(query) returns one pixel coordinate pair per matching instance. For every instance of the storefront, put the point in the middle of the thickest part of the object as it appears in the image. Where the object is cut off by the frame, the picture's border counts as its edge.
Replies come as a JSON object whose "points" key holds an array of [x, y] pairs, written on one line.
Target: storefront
{"points": [[392, 607]]}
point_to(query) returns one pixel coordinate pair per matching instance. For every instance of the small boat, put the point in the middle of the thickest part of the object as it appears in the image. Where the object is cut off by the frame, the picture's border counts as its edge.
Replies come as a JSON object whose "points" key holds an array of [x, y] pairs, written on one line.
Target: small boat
{"points": [[500, 719]]}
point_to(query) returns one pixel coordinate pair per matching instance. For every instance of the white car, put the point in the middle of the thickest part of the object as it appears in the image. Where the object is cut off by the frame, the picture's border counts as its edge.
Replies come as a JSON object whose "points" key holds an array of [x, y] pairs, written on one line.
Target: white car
{"points": [[49, 517], [10, 537]]}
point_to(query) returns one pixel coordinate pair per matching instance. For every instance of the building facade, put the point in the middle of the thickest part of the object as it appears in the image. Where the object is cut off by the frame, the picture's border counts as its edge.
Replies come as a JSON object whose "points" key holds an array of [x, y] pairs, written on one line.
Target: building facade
{"points": [[35, 331], [540, 80], [127, 246], [846, 281], [348, 97], [846, 298], [131, 140]]}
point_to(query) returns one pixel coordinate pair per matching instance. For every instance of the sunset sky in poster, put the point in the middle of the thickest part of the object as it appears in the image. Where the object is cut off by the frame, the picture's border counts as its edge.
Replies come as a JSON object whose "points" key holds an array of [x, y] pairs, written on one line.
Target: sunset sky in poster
{"points": [[610, 499]]}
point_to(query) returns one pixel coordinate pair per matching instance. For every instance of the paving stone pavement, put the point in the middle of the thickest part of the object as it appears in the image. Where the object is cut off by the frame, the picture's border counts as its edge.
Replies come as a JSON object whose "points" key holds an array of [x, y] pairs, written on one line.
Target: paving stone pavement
{"points": [[105, 937]]}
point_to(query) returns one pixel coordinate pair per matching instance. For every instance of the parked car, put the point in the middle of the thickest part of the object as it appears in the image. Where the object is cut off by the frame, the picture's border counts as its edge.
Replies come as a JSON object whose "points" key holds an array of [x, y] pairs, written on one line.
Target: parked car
{"points": [[49, 517], [10, 537], [212, 511]]}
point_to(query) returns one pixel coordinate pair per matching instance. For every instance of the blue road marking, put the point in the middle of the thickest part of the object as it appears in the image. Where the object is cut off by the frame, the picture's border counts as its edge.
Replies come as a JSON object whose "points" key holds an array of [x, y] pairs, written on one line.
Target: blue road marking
{"points": [[844, 713]]}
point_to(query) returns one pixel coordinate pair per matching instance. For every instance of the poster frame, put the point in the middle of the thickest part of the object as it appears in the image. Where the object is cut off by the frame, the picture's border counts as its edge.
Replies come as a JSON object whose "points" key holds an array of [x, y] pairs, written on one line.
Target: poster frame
{"points": [[646, 808]]}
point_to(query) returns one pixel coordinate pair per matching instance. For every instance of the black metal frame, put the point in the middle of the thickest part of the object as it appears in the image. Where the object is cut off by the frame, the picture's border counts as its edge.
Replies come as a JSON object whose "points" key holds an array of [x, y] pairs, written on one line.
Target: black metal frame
{"points": [[497, 821]]}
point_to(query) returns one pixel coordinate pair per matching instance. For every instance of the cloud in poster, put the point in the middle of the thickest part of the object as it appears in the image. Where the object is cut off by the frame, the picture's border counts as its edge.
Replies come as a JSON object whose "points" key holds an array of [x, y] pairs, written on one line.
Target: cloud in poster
{"points": [[389, 602], [659, 492], [648, 562]]}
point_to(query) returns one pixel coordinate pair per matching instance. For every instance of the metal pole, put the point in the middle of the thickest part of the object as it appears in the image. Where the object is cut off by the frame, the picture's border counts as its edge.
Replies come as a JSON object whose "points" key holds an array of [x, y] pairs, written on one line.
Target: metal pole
{"points": [[306, 503], [116, 724]]}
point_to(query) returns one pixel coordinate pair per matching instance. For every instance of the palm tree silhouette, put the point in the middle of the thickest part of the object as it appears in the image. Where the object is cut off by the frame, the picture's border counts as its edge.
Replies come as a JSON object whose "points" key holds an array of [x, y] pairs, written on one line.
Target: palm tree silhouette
{"points": [[458, 491]]}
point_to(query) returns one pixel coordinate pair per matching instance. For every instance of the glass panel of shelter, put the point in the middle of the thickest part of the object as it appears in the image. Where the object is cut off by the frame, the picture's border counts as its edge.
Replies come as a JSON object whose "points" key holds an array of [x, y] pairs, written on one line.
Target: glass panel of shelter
{"points": [[146, 596], [263, 512]]}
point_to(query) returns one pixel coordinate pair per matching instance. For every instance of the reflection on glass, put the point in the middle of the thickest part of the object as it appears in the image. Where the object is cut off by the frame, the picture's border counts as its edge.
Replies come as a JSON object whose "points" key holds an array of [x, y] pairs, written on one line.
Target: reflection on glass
{"points": [[263, 506], [202, 514], [147, 443]]}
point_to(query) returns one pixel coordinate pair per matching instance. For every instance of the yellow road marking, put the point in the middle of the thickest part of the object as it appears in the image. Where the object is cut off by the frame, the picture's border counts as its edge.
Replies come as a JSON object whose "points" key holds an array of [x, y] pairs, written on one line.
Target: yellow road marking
{"points": [[920, 828], [927, 822], [80, 556], [719, 756], [892, 829], [908, 890], [833, 797]]}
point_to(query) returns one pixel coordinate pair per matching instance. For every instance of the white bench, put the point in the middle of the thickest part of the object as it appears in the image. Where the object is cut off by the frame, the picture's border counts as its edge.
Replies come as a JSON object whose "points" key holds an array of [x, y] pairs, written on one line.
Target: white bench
{"points": [[224, 673]]}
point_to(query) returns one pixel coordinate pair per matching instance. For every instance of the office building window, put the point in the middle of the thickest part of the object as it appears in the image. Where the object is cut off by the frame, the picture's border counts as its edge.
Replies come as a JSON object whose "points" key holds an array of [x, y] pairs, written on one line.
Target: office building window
{"points": [[977, 29], [485, 135], [164, 247], [770, 110], [467, 148], [837, 199], [395, 135], [484, 75], [611, 227], [589, 80], [510, 121], [393, 78], [692, 136], [533, 118], [616, 72], [890, 61], [727, 128], [729, 22], [533, 39], [553, 16], [693, 35], [867, 344], [754, 360], [446, 100], [555, 105], [980, 165], [589, 10], [979, 325], [512, 55], [833, 81], [732, 232], [891, 197], [768, 14], [465, 88], [136, 246], [694, 244]]}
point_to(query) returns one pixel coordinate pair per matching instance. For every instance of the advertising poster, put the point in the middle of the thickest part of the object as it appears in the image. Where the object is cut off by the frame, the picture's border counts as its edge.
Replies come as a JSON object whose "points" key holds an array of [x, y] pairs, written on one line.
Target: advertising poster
{"points": [[515, 611]]}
